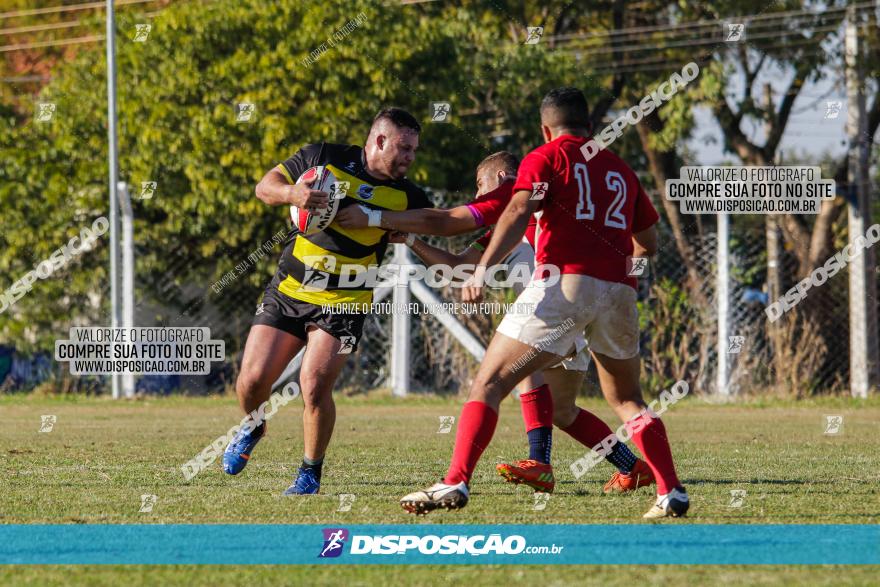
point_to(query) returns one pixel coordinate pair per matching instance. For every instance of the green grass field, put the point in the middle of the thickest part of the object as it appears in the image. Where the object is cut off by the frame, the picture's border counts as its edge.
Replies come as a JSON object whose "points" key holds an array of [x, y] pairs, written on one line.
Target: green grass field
{"points": [[102, 456]]}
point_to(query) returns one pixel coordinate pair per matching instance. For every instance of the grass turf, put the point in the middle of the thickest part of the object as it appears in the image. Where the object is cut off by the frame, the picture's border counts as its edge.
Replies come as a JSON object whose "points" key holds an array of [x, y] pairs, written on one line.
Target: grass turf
{"points": [[101, 456]]}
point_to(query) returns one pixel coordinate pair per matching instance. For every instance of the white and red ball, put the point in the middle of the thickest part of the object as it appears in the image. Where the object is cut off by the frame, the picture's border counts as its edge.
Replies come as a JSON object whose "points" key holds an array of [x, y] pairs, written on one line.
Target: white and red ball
{"points": [[314, 221]]}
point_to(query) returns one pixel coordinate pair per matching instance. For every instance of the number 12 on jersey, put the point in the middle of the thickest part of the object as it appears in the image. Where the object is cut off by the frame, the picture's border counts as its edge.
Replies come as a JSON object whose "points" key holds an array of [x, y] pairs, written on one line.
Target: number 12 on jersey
{"points": [[586, 210]]}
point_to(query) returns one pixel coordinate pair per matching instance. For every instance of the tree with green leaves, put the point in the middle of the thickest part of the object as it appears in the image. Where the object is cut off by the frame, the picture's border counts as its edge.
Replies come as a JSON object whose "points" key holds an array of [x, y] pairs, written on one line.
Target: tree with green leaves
{"points": [[178, 93]]}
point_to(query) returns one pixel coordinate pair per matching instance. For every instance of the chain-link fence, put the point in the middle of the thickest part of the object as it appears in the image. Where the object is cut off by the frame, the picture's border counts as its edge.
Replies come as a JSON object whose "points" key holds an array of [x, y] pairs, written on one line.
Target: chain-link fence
{"points": [[167, 298], [804, 352]]}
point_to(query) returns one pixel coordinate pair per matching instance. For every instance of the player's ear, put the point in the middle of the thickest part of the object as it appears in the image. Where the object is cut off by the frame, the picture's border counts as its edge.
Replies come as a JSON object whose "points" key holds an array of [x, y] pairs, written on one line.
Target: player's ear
{"points": [[545, 131], [380, 141]]}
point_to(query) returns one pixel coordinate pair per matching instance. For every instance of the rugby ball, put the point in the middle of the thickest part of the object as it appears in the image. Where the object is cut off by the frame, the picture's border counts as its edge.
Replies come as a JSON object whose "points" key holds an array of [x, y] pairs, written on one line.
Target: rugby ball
{"points": [[314, 221]]}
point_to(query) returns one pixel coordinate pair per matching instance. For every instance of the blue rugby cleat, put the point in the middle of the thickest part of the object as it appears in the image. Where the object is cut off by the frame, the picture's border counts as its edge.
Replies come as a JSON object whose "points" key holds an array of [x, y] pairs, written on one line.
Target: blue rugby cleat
{"points": [[306, 483], [239, 450]]}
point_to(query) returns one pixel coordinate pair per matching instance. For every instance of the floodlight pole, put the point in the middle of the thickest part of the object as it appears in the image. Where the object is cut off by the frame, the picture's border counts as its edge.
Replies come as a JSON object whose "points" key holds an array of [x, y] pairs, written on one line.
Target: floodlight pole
{"points": [[112, 164]]}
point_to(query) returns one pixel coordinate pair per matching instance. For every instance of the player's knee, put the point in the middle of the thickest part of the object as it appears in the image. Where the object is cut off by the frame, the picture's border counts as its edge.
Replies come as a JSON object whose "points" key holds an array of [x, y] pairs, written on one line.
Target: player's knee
{"points": [[317, 399], [315, 390], [625, 410], [622, 397], [487, 390], [250, 383], [564, 415], [311, 381]]}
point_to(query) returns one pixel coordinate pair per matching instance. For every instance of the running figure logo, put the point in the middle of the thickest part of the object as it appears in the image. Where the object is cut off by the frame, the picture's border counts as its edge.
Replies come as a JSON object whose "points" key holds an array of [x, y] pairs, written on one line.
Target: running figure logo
{"points": [[534, 34], [148, 500], [47, 422], [334, 540], [347, 345], [314, 279], [45, 111], [446, 424], [142, 32], [339, 189], [735, 344], [833, 424], [439, 111], [539, 190], [541, 500], [737, 498], [735, 32], [346, 500], [148, 189], [244, 112], [832, 109], [637, 266]]}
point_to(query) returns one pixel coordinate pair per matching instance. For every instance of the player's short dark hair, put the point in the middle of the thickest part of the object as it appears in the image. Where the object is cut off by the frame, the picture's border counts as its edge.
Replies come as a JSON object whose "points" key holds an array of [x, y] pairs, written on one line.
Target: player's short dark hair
{"points": [[503, 160], [399, 117], [566, 108]]}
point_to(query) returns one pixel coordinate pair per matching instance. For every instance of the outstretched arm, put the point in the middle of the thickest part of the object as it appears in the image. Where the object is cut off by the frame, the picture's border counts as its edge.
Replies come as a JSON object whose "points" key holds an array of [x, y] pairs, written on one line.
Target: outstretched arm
{"points": [[432, 255], [436, 221]]}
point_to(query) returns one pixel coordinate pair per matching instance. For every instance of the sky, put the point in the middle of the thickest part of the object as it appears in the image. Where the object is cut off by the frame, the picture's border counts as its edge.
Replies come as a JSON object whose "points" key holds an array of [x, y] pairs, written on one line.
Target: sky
{"points": [[814, 128]]}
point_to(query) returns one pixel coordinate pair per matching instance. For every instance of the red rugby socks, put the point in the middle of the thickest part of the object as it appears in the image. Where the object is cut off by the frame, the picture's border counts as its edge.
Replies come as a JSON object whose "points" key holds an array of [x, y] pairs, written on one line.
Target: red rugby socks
{"points": [[649, 434], [588, 429], [537, 413], [476, 426]]}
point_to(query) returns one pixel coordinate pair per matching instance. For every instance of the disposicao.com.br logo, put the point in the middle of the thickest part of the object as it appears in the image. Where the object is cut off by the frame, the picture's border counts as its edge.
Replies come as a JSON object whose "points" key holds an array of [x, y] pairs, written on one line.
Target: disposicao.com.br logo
{"points": [[334, 540], [476, 545]]}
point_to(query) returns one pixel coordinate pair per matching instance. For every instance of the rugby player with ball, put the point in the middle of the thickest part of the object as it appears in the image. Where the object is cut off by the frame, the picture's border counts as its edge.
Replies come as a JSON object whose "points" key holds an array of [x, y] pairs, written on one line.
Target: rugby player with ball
{"points": [[293, 313]]}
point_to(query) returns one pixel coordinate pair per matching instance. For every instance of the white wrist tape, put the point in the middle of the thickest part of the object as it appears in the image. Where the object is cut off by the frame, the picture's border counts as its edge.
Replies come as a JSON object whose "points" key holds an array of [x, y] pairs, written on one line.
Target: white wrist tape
{"points": [[374, 217]]}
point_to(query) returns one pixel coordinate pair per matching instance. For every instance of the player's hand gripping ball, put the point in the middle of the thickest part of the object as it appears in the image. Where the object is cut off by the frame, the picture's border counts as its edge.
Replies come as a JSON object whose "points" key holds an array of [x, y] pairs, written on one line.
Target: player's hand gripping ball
{"points": [[314, 220]]}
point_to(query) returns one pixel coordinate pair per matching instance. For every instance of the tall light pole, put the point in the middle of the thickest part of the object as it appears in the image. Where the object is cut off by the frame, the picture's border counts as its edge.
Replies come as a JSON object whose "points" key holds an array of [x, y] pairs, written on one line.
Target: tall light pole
{"points": [[114, 172]]}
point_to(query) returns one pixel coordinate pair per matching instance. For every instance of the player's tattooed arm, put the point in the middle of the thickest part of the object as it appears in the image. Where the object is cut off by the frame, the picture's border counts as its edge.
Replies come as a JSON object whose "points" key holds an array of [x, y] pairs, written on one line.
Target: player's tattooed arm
{"points": [[436, 221], [275, 190]]}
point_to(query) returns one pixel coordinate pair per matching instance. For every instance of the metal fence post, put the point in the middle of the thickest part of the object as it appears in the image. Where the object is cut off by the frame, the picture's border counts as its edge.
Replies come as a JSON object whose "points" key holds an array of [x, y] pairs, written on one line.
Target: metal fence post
{"points": [[400, 325], [723, 301], [127, 217]]}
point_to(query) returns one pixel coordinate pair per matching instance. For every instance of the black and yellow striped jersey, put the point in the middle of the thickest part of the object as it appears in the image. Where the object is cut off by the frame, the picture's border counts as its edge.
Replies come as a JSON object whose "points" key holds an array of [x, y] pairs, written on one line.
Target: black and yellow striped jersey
{"points": [[324, 253]]}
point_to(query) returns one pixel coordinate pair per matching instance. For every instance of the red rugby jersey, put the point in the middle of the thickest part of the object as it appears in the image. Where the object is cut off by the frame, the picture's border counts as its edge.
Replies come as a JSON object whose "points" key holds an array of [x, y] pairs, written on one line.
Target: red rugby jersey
{"points": [[590, 208], [488, 207]]}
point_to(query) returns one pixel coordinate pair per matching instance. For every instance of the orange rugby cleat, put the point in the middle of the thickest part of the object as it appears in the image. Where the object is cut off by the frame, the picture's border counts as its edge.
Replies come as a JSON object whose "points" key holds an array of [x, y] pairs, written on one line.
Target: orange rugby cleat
{"points": [[640, 476], [536, 475]]}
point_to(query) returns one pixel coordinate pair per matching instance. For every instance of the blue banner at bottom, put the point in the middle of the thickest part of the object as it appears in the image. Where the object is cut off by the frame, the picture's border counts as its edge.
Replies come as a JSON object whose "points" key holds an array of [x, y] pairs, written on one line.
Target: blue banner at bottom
{"points": [[261, 544]]}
